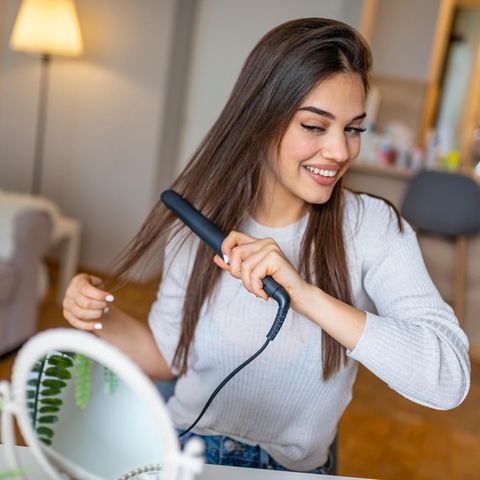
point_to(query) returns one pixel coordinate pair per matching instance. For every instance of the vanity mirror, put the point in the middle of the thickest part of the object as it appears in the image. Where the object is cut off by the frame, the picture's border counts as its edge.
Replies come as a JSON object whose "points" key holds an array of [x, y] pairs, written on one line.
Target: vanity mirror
{"points": [[88, 413]]}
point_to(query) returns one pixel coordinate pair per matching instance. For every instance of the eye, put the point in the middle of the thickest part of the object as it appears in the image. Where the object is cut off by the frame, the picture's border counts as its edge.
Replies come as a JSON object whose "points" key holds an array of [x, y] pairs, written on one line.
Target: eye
{"points": [[312, 128], [355, 130]]}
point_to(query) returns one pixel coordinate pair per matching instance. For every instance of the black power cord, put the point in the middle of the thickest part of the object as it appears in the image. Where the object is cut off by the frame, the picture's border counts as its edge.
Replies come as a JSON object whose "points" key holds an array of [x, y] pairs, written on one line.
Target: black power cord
{"points": [[223, 383], [280, 317]]}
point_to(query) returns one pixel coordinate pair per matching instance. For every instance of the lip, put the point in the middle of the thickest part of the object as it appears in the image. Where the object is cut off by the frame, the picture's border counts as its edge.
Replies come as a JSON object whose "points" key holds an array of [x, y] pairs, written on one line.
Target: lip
{"points": [[319, 179]]}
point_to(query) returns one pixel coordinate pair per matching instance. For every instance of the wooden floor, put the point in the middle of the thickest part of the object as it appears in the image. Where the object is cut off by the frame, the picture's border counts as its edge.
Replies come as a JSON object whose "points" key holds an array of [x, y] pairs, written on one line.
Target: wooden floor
{"points": [[382, 435]]}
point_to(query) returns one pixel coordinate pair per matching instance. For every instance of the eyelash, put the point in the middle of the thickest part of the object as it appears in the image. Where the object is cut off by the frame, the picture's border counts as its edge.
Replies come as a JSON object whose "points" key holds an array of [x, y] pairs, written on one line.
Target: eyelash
{"points": [[349, 130]]}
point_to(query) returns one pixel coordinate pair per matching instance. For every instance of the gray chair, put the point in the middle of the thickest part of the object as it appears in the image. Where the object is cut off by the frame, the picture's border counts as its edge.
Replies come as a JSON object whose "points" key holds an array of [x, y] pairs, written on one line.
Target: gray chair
{"points": [[446, 204], [19, 279], [166, 388]]}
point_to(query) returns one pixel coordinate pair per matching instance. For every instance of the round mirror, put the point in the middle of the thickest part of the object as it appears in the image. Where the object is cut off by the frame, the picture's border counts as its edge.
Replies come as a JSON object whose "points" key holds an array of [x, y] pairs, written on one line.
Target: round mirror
{"points": [[88, 412]]}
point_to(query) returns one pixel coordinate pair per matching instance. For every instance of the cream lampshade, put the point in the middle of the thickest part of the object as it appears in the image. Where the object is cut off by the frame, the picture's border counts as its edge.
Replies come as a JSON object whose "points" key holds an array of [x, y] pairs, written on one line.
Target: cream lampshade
{"points": [[47, 27]]}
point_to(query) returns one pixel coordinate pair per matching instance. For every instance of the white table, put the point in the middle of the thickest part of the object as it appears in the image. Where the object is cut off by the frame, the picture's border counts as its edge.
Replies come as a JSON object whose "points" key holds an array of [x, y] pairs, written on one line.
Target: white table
{"points": [[210, 472]]}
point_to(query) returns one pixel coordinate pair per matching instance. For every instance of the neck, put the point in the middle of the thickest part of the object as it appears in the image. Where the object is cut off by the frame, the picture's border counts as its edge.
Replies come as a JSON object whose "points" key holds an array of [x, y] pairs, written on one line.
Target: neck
{"points": [[277, 209]]}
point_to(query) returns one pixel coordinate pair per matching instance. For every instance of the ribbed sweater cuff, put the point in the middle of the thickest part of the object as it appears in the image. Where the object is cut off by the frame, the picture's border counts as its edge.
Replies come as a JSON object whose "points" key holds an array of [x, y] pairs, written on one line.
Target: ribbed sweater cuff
{"points": [[368, 341]]}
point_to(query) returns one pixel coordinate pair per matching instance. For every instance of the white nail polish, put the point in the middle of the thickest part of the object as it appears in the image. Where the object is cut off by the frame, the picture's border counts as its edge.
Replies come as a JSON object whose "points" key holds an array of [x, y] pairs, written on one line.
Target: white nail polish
{"points": [[98, 326], [225, 258], [109, 298], [106, 309]]}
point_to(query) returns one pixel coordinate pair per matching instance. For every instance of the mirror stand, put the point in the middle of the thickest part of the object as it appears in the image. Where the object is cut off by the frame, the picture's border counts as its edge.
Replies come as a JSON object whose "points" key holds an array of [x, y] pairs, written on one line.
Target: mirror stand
{"points": [[77, 427], [7, 434]]}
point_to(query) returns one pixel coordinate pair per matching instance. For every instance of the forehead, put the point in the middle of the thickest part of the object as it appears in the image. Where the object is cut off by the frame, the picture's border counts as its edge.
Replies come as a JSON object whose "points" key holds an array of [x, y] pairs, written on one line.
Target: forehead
{"points": [[343, 95]]}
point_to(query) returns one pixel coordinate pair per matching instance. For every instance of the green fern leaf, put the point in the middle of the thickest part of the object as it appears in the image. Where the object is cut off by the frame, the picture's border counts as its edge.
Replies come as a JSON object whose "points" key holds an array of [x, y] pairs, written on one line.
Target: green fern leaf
{"points": [[51, 409], [45, 431], [58, 372], [110, 381], [48, 419], [51, 383], [51, 401], [83, 366], [50, 373], [50, 392], [13, 473], [60, 361]]}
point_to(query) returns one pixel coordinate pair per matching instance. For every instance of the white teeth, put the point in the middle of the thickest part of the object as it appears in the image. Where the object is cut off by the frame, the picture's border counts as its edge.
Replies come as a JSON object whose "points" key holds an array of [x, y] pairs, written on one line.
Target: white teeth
{"points": [[322, 172]]}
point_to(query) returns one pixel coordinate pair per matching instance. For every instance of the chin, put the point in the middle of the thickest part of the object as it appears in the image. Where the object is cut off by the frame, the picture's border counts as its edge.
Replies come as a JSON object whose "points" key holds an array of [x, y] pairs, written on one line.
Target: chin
{"points": [[320, 197]]}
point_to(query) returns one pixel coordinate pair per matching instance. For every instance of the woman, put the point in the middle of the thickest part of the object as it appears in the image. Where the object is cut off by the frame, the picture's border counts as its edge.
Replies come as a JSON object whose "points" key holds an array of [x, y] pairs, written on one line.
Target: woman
{"points": [[269, 171]]}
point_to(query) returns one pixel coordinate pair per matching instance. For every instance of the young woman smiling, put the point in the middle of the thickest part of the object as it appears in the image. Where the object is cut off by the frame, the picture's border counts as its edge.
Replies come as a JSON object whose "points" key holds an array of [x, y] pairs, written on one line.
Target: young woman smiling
{"points": [[269, 172]]}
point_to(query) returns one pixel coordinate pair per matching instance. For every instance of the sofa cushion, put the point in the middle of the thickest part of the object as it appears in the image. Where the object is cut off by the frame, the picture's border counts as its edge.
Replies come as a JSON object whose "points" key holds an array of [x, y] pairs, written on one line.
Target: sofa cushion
{"points": [[14, 204], [8, 277]]}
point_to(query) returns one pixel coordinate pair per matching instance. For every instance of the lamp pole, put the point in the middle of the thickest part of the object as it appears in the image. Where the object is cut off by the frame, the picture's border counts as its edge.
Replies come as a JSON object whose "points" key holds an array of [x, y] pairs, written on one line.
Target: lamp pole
{"points": [[41, 124]]}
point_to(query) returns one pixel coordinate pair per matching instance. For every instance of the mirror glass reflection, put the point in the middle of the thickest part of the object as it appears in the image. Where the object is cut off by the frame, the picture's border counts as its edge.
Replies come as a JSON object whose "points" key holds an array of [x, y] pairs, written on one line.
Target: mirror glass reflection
{"points": [[458, 78], [88, 421]]}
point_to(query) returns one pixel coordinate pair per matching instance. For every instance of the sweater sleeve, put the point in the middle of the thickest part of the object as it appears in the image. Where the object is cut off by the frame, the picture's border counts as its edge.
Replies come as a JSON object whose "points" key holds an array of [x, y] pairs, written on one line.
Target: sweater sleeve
{"points": [[414, 342], [166, 313]]}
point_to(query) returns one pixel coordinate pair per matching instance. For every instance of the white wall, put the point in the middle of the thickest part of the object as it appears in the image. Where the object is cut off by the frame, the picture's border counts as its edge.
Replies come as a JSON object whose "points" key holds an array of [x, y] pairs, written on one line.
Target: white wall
{"points": [[105, 116], [225, 33], [19, 80], [402, 38]]}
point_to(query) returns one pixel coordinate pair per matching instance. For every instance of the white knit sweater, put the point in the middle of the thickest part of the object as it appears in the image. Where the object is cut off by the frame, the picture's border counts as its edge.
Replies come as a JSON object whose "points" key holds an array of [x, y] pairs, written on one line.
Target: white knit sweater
{"points": [[280, 401]]}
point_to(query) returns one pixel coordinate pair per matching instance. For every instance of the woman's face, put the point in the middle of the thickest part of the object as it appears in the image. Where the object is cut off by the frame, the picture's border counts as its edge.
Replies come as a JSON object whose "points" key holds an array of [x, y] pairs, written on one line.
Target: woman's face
{"points": [[320, 143]]}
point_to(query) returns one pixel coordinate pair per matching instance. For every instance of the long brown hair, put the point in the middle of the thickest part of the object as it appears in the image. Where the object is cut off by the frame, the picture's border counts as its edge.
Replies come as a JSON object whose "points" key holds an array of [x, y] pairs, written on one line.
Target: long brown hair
{"points": [[223, 177]]}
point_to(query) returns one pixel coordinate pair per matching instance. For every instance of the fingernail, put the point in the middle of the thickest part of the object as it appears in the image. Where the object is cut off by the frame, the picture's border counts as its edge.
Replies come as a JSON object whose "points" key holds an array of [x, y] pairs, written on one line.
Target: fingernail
{"points": [[109, 298], [106, 310], [98, 326], [225, 258]]}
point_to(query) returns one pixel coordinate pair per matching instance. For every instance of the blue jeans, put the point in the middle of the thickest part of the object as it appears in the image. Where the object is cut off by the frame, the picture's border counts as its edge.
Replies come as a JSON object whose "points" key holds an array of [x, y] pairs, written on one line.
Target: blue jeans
{"points": [[222, 450]]}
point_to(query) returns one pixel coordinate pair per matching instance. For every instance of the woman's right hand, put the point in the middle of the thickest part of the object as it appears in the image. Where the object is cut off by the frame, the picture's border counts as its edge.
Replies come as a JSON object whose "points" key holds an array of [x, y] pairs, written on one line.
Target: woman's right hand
{"points": [[85, 302]]}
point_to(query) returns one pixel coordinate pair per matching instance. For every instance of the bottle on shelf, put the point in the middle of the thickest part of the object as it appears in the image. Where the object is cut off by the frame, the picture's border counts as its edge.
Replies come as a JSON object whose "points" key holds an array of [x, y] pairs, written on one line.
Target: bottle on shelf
{"points": [[432, 153], [476, 151], [452, 160], [385, 151], [477, 169], [416, 159]]}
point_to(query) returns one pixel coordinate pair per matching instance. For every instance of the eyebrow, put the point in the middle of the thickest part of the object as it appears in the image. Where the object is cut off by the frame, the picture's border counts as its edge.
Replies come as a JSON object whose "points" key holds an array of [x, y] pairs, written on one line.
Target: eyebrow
{"points": [[329, 115]]}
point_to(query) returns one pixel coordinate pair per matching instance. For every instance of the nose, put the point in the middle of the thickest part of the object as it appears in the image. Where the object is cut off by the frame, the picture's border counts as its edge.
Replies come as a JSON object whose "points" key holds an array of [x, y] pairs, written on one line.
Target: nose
{"points": [[336, 147]]}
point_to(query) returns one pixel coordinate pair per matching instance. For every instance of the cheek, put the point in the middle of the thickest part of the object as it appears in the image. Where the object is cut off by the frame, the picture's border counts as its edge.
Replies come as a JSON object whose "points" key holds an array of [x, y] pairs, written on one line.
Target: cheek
{"points": [[297, 150], [354, 147]]}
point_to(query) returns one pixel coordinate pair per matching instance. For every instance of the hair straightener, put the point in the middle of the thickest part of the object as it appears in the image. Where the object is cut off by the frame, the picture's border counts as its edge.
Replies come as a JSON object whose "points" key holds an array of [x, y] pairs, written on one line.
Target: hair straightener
{"points": [[213, 237]]}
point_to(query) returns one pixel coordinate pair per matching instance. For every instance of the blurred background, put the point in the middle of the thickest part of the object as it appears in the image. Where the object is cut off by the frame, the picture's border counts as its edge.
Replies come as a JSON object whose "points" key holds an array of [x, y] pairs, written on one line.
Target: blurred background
{"points": [[98, 119]]}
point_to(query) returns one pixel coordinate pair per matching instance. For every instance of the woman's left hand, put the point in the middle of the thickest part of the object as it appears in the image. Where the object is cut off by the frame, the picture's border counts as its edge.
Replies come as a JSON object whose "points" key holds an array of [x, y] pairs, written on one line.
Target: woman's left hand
{"points": [[251, 259]]}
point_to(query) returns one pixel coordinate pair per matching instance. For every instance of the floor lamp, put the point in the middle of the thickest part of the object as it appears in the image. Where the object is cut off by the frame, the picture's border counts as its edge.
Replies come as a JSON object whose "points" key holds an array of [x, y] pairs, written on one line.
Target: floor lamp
{"points": [[45, 27]]}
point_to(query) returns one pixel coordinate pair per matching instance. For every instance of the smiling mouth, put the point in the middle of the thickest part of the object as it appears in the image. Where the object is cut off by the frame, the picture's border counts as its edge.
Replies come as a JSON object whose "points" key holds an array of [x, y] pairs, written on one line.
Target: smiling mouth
{"points": [[322, 172]]}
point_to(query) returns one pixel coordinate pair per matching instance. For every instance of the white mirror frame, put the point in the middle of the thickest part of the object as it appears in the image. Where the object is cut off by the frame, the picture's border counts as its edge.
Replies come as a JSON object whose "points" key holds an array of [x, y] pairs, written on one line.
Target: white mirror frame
{"points": [[176, 465]]}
